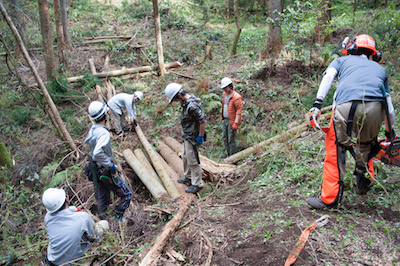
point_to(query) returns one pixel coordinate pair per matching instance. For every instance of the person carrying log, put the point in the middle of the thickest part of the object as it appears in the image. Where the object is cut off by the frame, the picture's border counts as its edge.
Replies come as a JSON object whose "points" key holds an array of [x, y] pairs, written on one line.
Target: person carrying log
{"points": [[232, 105], [118, 104], [70, 230], [193, 123], [109, 178], [361, 101]]}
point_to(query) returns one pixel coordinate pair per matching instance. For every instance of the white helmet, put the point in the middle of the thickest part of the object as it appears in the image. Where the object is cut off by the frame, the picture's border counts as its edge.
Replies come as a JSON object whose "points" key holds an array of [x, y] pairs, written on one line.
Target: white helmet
{"points": [[171, 90], [225, 82], [97, 110], [101, 226], [138, 94], [53, 199]]}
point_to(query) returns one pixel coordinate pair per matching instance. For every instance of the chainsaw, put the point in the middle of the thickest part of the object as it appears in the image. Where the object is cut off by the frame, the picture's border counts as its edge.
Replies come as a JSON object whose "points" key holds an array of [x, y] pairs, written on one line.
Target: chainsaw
{"points": [[390, 152]]}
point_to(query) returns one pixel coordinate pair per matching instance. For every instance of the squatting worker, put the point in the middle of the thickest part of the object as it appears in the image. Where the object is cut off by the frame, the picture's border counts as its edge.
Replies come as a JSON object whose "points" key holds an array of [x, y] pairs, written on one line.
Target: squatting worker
{"points": [[70, 230], [193, 123], [232, 105], [361, 103], [121, 102], [109, 178]]}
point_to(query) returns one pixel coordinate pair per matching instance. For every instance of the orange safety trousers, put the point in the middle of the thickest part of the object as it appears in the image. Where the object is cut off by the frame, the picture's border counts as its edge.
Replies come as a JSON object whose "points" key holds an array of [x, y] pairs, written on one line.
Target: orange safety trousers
{"points": [[334, 168]]}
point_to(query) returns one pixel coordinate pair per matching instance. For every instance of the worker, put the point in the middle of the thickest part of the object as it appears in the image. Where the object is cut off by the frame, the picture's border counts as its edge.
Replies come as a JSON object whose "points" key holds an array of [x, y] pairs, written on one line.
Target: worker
{"points": [[232, 105], [118, 104], [101, 151], [71, 231], [193, 130], [361, 103]]}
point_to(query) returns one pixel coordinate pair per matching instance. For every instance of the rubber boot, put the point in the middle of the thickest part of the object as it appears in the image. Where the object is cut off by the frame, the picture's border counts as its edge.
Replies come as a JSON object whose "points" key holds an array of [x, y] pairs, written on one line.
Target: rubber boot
{"points": [[362, 184]]}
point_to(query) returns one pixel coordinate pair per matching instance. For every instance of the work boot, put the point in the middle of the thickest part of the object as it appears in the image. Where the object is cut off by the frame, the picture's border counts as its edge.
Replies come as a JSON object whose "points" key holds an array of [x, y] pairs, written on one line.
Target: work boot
{"points": [[362, 184], [317, 203], [193, 189], [223, 157], [185, 181]]}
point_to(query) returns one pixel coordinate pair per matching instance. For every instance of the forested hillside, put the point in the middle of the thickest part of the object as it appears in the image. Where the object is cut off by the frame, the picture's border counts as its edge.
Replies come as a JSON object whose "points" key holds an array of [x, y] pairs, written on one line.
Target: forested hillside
{"points": [[58, 56]]}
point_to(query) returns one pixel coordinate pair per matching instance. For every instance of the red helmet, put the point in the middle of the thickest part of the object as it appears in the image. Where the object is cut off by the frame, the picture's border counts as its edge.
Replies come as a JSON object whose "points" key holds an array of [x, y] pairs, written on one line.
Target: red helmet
{"points": [[360, 43]]}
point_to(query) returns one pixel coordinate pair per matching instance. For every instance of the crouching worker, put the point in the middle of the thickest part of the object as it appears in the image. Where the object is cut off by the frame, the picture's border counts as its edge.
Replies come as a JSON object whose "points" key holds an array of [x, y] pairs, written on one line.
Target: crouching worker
{"points": [[121, 102], [108, 177], [70, 230]]}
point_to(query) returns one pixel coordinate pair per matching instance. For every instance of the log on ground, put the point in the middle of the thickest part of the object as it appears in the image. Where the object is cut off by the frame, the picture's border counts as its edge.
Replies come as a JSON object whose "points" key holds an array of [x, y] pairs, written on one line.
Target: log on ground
{"points": [[152, 185], [143, 159], [171, 157]]}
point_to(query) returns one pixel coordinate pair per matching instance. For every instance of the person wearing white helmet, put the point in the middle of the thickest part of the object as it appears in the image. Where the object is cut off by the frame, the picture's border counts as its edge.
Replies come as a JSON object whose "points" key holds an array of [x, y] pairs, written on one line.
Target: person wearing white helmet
{"points": [[108, 177], [232, 106], [193, 123], [70, 230], [121, 102]]}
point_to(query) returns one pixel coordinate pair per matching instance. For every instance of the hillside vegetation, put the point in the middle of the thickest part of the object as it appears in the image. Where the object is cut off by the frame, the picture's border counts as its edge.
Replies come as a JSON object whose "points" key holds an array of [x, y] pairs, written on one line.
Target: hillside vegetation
{"points": [[253, 217]]}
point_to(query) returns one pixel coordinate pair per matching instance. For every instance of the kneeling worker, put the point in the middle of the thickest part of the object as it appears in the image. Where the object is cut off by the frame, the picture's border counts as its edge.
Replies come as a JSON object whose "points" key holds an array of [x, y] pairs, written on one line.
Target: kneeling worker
{"points": [[71, 231]]}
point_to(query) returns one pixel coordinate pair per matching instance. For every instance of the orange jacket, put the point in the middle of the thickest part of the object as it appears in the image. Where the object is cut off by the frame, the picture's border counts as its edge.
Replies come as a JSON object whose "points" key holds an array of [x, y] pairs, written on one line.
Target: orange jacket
{"points": [[235, 106]]}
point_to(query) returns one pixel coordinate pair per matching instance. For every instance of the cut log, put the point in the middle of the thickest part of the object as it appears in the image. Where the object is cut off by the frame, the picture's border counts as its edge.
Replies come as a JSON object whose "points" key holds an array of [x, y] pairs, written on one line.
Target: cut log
{"points": [[126, 71], [168, 231], [98, 88], [171, 157], [145, 162], [262, 145], [155, 188], [213, 170], [162, 173], [172, 174]]}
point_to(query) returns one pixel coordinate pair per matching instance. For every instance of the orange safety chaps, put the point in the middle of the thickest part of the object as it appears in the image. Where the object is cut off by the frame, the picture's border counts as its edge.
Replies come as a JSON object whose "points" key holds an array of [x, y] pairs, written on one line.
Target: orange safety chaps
{"points": [[368, 118]]}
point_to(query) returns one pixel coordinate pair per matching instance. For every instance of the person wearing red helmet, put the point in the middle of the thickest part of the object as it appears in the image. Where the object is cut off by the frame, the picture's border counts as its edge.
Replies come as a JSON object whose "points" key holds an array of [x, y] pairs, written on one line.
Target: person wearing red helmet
{"points": [[361, 102]]}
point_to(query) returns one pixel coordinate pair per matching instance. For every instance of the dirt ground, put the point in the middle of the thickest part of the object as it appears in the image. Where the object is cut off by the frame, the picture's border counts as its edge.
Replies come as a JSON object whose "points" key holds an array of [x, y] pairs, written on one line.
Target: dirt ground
{"points": [[234, 224]]}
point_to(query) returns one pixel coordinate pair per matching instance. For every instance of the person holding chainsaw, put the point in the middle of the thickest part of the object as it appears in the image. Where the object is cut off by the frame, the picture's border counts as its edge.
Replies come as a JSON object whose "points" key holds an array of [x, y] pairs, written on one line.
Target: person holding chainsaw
{"points": [[193, 123], [121, 102], [361, 103], [107, 176], [232, 105]]}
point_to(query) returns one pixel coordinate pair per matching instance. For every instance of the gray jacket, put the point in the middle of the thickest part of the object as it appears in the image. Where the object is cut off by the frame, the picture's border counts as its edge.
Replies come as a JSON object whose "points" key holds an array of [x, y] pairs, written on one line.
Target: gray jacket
{"points": [[100, 147], [68, 231], [123, 101]]}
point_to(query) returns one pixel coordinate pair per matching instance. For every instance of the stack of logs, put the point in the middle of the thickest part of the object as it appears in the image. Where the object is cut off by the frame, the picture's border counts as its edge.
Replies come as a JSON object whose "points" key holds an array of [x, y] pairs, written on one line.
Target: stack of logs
{"points": [[159, 171]]}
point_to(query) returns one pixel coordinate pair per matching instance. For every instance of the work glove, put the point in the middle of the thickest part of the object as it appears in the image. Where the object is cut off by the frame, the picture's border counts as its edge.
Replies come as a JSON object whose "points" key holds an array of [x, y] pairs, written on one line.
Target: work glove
{"points": [[235, 126], [200, 140], [390, 134], [315, 113]]}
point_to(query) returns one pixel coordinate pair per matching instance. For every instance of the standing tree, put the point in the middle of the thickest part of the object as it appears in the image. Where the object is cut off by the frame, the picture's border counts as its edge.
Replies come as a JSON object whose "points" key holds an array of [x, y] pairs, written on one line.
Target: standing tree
{"points": [[274, 40], [239, 29], [13, 6], [46, 38], [64, 19], [60, 36], [40, 82], [157, 29], [324, 17]]}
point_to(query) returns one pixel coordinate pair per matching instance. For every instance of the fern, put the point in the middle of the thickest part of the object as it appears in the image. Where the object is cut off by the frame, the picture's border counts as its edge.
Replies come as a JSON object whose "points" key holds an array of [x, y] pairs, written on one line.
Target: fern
{"points": [[211, 102]]}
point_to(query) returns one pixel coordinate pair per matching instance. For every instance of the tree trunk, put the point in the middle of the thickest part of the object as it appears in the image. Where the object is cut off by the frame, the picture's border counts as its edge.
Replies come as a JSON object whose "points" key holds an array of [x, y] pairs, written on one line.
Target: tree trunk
{"points": [[93, 70], [227, 12], [162, 240], [40, 83], [13, 5], [127, 71], [324, 19], [162, 173], [274, 40], [47, 38], [60, 34], [155, 188], [239, 29], [145, 162], [157, 29], [171, 157], [64, 19]]}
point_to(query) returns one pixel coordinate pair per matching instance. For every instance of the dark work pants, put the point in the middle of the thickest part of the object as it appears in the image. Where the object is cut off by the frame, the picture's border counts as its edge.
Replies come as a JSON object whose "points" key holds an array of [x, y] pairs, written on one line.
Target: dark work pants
{"points": [[121, 190]]}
